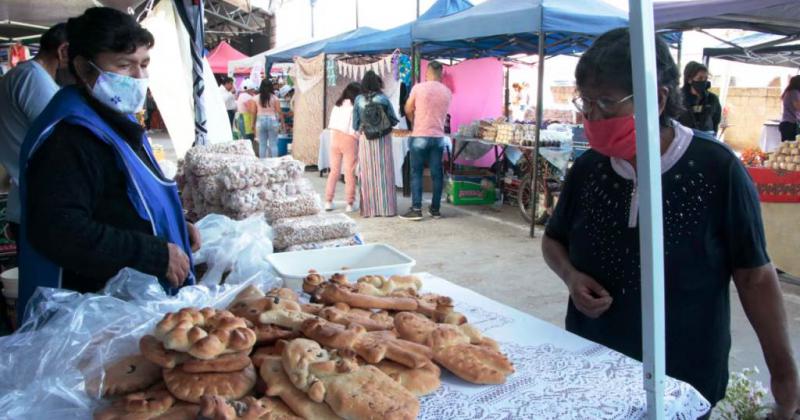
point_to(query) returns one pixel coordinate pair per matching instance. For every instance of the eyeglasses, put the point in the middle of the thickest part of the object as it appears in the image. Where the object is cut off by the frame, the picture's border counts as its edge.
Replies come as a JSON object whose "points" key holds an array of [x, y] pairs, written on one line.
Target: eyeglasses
{"points": [[606, 105]]}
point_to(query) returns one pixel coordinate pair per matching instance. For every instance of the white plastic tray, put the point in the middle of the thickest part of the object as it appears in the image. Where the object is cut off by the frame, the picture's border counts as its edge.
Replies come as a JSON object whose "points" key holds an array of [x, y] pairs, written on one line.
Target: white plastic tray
{"points": [[353, 261]]}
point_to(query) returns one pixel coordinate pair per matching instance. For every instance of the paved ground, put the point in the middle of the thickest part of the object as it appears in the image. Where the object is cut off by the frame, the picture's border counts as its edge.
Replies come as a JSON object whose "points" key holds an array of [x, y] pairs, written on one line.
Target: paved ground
{"points": [[489, 250]]}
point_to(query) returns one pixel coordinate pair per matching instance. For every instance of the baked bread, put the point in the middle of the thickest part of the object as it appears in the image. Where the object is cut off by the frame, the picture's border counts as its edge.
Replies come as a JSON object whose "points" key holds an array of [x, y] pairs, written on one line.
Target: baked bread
{"points": [[439, 309], [136, 406], [352, 391], [284, 293], [129, 374], [284, 313], [191, 387], [393, 286], [261, 353], [180, 411], [232, 362], [278, 385], [249, 408], [205, 333], [269, 334], [460, 349], [332, 293], [421, 381], [343, 314], [371, 346], [154, 351]]}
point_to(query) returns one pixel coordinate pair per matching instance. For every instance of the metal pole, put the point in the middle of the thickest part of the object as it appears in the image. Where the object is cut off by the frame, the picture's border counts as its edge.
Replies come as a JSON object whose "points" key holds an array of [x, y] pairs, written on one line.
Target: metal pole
{"points": [[507, 101], [651, 234], [357, 25], [539, 117], [311, 2], [680, 53], [417, 9]]}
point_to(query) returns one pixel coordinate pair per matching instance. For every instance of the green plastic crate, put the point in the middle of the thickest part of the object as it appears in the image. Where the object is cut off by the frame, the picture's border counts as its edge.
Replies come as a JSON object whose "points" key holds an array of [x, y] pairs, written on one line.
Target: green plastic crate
{"points": [[470, 193]]}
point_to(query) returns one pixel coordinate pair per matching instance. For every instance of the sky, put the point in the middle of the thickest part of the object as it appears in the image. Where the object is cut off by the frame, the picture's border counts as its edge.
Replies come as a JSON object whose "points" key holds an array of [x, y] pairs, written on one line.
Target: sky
{"points": [[332, 17]]}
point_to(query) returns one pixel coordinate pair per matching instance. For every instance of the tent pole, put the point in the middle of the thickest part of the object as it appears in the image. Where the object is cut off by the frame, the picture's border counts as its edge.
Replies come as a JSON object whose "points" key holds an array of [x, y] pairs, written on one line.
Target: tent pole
{"points": [[507, 101], [680, 54], [324, 91], [539, 117], [651, 234]]}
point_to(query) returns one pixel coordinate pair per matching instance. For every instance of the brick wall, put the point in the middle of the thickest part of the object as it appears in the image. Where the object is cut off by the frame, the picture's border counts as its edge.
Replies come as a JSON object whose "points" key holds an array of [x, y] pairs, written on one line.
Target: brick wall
{"points": [[748, 109]]}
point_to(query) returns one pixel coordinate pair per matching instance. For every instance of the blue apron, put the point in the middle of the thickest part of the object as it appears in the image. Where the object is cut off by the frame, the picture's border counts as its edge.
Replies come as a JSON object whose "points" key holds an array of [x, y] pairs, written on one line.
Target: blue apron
{"points": [[154, 199]]}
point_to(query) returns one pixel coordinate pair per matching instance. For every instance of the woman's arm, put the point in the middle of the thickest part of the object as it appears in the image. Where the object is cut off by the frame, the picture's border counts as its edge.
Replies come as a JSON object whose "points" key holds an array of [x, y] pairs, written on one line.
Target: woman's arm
{"points": [[65, 179], [762, 301], [276, 105], [587, 294], [390, 112]]}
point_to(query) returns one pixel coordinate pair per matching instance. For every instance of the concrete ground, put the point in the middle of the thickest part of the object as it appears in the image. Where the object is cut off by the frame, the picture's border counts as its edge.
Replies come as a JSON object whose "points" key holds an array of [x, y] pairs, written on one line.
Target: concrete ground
{"points": [[489, 250]]}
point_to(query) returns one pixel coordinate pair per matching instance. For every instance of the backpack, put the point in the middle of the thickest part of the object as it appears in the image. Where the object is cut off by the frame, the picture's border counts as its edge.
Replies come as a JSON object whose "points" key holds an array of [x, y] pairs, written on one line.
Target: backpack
{"points": [[374, 122]]}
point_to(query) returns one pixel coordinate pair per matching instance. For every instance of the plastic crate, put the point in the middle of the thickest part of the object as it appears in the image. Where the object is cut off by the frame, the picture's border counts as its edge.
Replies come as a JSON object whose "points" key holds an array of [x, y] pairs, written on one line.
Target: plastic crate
{"points": [[464, 191]]}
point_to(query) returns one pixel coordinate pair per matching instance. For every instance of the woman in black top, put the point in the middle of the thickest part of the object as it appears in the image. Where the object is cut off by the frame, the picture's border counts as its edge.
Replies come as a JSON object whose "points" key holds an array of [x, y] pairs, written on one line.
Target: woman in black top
{"points": [[712, 232], [703, 110]]}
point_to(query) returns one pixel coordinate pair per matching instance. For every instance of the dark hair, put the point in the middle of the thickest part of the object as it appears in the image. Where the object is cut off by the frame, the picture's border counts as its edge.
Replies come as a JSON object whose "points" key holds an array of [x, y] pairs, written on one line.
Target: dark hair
{"points": [[103, 29], [608, 63], [265, 92], [226, 80], [691, 70], [794, 84], [436, 67], [53, 38], [371, 83], [350, 92]]}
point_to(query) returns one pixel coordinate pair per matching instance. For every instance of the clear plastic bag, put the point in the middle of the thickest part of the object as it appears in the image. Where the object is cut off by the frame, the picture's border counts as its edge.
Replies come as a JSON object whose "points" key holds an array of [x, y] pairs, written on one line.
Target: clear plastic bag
{"points": [[52, 367], [238, 247]]}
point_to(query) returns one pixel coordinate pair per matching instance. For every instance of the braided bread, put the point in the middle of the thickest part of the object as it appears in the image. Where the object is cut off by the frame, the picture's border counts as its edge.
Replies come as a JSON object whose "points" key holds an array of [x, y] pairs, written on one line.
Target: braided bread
{"points": [[206, 333]]}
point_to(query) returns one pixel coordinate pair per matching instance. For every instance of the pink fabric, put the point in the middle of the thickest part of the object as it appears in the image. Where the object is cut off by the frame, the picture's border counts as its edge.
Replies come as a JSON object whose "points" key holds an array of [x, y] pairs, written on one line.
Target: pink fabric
{"points": [[269, 110], [343, 151], [218, 58], [477, 87], [431, 103]]}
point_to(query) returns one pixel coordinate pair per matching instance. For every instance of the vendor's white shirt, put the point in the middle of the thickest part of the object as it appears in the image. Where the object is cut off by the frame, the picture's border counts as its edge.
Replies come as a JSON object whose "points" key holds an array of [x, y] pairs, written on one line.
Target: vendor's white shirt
{"points": [[342, 118], [227, 96]]}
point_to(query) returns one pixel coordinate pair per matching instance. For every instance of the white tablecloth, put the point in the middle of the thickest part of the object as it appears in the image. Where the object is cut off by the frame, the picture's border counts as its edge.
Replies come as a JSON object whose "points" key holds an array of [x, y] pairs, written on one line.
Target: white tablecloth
{"points": [[558, 374], [770, 137], [399, 150]]}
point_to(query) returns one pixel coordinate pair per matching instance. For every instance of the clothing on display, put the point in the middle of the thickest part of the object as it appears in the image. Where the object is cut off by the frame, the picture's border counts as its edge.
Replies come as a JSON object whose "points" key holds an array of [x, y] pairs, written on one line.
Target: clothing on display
{"points": [[308, 108]]}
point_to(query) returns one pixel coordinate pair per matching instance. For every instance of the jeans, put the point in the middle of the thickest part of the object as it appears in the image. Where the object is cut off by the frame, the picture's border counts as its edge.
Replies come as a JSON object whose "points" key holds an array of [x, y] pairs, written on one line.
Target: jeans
{"points": [[426, 150], [267, 127]]}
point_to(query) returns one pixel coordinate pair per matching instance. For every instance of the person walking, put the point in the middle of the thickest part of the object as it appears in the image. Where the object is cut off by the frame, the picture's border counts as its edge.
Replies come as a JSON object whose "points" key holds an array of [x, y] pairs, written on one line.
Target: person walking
{"points": [[24, 92], [226, 90], [703, 110], [791, 110], [246, 112], [344, 147], [427, 108], [269, 119], [374, 117], [713, 233]]}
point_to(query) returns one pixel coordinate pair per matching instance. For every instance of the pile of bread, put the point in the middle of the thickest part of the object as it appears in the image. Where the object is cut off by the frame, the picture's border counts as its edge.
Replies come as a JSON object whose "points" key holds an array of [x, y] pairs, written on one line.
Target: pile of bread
{"points": [[787, 157], [364, 350], [229, 179]]}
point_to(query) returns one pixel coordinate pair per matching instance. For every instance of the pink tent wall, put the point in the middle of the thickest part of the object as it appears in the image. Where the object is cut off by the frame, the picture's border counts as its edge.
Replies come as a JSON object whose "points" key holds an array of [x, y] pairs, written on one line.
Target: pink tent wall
{"points": [[218, 57]]}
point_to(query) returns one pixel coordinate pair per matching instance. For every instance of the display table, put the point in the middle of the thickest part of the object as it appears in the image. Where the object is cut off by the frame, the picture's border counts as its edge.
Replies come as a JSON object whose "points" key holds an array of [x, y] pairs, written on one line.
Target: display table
{"points": [[399, 151], [779, 192], [770, 137], [558, 374]]}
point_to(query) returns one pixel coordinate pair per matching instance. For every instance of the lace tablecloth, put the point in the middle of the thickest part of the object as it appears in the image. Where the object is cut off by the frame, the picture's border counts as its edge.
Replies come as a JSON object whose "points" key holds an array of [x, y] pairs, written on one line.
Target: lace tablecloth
{"points": [[558, 374]]}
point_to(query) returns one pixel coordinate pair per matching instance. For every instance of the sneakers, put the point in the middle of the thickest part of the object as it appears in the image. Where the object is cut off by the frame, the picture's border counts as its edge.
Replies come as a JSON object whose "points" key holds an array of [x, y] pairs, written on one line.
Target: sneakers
{"points": [[328, 206], [349, 208], [436, 214], [412, 214]]}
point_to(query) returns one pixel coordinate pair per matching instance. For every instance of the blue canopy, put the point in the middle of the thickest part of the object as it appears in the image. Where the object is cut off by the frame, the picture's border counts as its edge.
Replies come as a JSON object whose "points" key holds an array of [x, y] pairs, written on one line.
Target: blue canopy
{"points": [[508, 27], [287, 54], [395, 38], [780, 17]]}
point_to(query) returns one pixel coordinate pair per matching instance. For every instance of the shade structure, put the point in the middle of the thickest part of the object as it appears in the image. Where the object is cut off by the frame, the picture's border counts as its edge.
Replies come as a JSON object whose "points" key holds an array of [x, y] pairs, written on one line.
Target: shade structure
{"points": [[22, 18], [219, 57], [399, 37], [508, 27], [781, 55], [773, 16], [314, 48]]}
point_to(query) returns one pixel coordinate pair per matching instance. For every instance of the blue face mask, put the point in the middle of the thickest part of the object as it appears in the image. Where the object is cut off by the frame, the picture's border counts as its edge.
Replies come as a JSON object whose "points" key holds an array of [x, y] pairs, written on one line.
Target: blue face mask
{"points": [[123, 94]]}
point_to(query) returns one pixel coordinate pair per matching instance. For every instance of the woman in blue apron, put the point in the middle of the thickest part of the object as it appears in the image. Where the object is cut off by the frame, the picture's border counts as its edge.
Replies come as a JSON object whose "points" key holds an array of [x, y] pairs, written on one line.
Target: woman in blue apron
{"points": [[94, 200]]}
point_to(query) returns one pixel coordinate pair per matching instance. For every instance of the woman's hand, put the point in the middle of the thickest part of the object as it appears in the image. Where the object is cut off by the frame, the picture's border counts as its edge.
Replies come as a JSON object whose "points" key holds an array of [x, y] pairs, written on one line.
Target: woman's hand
{"points": [[195, 241], [787, 397], [178, 267], [588, 295]]}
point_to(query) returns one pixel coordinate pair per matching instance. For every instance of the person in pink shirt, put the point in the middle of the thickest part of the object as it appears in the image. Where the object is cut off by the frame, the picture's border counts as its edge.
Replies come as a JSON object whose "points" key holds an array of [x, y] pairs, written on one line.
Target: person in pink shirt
{"points": [[344, 147], [427, 107]]}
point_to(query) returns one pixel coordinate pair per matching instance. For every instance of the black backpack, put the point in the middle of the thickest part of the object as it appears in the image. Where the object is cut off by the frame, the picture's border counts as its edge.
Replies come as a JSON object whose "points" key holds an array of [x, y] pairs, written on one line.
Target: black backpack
{"points": [[374, 122]]}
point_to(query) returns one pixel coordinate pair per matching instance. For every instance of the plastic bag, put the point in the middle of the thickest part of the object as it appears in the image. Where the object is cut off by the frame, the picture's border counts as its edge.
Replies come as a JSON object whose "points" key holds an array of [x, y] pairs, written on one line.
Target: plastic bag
{"points": [[239, 247], [52, 367]]}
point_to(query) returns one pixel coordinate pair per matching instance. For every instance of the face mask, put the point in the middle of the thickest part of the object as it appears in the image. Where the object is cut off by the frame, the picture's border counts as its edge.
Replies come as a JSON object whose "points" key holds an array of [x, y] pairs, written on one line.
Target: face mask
{"points": [[612, 137], [701, 87], [124, 94]]}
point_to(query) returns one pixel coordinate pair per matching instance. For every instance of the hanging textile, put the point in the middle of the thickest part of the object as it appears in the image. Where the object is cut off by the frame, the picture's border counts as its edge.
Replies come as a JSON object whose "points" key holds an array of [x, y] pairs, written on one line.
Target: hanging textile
{"points": [[331, 71], [17, 53], [403, 69], [308, 75], [191, 14]]}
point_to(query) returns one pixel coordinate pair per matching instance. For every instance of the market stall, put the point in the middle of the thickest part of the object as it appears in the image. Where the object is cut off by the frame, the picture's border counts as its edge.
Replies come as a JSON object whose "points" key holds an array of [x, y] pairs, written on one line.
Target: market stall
{"points": [[221, 55]]}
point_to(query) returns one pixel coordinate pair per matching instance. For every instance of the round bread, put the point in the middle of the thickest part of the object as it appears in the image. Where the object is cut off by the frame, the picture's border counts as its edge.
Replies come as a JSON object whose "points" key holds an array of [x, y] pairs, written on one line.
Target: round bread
{"points": [[191, 387], [130, 374], [226, 363], [150, 402], [205, 333], [154, 351], [180, 411]]}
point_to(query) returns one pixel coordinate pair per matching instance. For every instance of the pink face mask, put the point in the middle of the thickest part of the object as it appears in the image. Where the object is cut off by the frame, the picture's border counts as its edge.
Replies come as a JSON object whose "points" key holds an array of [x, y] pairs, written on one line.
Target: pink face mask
{"points": [[612, 137]]}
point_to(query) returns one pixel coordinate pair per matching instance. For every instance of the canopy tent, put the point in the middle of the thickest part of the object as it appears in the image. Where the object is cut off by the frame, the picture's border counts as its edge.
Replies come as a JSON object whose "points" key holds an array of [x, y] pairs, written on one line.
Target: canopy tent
{"points": [[759, 48], [314, 48], [219, 57], [780, 17], [399, 37], [509, 27]]}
